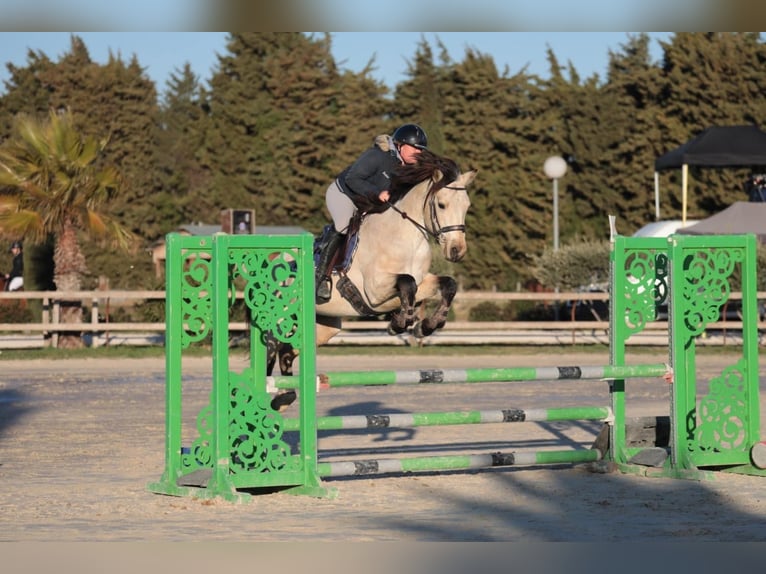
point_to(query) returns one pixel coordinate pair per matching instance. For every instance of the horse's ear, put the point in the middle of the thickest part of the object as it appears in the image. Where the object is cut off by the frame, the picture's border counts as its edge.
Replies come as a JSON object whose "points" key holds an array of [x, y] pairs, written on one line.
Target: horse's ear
{"points": [[438, 175], [470, 176]]}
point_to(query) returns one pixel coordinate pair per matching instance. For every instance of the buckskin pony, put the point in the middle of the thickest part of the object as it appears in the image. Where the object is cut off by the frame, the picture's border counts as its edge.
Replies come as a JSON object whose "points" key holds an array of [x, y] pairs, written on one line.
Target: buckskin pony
{"points": [[389, 272]]}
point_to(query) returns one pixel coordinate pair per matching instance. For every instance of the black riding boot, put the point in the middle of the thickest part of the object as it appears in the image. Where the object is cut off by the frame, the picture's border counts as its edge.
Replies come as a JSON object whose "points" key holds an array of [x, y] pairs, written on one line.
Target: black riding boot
{"points": [[323, 285]]}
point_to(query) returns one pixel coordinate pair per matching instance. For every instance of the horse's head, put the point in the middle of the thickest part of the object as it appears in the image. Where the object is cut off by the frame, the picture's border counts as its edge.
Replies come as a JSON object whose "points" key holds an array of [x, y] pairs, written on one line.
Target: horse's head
{"points": [[448, 206], [438, 183]]}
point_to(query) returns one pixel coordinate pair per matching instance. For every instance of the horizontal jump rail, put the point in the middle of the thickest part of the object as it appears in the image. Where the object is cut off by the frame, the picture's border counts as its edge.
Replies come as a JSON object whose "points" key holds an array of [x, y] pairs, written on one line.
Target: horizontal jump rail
{"points": [[409, 420], [363, 378], [455, 462]]}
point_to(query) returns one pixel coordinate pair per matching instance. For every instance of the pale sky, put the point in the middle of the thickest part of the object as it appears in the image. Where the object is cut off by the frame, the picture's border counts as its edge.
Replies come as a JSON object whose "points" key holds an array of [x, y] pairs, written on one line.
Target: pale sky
{"points": [[162, 52]]}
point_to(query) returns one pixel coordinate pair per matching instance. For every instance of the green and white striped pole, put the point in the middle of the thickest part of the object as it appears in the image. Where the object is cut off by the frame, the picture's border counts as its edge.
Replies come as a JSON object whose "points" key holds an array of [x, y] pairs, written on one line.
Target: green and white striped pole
{"points": [[514, 374], [410, 420], [454, 462]]}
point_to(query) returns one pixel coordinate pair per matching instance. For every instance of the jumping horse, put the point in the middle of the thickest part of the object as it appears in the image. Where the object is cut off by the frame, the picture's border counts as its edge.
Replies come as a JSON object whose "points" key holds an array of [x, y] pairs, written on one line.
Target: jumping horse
{"points": [[386, 268], [389, 272]]}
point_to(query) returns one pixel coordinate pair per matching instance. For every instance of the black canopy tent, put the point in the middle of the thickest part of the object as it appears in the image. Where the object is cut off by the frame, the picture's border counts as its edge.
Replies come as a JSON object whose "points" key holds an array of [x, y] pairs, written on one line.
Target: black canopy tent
{"points": [[717, 146]]}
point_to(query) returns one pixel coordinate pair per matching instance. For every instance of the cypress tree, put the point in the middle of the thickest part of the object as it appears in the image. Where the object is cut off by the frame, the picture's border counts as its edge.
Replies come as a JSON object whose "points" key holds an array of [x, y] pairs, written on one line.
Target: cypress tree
{"points": [[633, 118], [490, 125], [182, 182], [281, 118], [113, 103], [709, 79]]}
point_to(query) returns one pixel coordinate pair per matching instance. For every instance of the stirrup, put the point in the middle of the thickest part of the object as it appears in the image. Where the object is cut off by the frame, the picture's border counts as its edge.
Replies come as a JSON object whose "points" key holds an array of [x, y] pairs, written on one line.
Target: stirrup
{"points": [[324, 291]]}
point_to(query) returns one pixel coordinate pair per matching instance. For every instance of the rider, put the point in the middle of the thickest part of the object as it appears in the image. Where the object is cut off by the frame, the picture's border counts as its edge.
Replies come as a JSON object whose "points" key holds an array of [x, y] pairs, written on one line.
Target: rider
{"points": [[15, 279], [364, 185]]}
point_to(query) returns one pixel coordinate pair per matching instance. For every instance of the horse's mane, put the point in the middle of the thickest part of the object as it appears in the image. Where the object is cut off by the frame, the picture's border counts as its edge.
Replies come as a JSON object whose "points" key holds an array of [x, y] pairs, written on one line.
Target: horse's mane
{"points": [[406, 177]]}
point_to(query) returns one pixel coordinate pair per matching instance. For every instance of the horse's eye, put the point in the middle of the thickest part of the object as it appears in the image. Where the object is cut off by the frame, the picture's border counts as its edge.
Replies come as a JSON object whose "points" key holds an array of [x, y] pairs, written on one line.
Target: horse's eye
{"points": [[441, 205]]}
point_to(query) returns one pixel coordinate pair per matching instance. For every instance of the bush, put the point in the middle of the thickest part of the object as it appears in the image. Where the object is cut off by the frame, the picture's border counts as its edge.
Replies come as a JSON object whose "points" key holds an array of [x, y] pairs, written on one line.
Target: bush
{"points": [[15, 311], [511, 311], [485, 311], [573, 266], [586, 263]]}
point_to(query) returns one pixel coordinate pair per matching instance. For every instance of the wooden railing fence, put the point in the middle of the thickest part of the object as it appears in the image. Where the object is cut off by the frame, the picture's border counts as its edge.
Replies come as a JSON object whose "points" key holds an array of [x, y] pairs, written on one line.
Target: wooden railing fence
{"points": [[102, 302]]}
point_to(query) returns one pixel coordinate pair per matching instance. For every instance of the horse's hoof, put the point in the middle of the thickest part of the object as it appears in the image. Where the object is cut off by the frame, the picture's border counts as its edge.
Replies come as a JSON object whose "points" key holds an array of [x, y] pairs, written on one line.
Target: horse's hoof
{"points": [[395, 329], [417, 330], [283, 400]]}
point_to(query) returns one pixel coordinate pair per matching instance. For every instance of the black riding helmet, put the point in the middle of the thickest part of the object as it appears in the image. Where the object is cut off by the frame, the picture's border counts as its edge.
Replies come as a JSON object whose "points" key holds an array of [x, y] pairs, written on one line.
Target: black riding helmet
{"points": [[411, 134], [15, 244]]}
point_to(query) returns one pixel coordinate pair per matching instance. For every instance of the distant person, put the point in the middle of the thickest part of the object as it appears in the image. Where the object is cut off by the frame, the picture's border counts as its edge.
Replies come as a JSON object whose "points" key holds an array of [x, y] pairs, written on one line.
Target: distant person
{"points": [[755, 187], [15, 279]]}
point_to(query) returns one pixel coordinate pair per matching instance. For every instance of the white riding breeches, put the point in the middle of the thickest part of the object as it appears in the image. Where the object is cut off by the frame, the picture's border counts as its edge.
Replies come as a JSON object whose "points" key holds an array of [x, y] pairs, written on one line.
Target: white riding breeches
{"points": [[340, 206], [16, 284]]}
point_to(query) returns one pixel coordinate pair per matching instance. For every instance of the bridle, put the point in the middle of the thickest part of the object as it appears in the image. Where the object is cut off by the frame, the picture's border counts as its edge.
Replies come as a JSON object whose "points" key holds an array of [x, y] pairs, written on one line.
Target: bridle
{"points": [[434, 219]]}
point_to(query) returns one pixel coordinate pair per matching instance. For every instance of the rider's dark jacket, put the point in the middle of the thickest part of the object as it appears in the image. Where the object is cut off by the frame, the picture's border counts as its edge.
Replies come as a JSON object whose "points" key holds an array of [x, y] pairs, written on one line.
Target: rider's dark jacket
{"points": [[18, 267], [370, 174]]}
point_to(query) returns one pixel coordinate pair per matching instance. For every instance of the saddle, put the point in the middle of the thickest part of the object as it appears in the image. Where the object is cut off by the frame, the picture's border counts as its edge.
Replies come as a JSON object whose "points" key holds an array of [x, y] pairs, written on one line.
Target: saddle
{"points": [[341, 261], [344, 255]]}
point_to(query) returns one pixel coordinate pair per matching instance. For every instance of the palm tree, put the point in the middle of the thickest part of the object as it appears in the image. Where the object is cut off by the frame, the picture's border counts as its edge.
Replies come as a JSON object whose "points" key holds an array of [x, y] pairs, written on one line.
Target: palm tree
{"points": [[51, 187]]}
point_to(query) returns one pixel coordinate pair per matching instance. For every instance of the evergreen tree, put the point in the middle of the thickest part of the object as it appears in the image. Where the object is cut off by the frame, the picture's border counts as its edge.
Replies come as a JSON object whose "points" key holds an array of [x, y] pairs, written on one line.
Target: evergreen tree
{"points": [[280, 121], [113, 103], [630, 101], [280, 114], [713, 78], [570, 120], [25, 91], [489, 125], [182, 183], [419, 98]]}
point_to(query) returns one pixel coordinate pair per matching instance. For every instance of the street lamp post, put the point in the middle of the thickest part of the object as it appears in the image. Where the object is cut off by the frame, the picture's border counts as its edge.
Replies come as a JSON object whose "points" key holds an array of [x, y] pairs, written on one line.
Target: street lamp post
{"points": [[555, 167]]}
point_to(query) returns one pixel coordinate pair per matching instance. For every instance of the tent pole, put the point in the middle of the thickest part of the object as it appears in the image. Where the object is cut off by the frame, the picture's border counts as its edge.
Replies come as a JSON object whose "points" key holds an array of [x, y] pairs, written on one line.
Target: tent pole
{"points": [[656, 196], [684, 184]]}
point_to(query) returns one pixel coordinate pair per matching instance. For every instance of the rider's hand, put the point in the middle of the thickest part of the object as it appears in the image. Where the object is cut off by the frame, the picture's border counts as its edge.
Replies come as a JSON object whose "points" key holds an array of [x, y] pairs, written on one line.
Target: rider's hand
{"points": [[384, 196]]}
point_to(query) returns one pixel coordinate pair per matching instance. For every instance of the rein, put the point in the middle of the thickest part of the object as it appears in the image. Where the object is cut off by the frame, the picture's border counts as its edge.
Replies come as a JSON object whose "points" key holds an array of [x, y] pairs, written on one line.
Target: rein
{"points": [[439, 230]]}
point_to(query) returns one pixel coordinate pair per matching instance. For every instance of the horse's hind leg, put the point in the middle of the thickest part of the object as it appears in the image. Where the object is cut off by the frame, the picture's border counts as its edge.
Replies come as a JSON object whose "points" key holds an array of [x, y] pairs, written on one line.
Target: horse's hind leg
{"points": [[405, 315], [437, 319]]}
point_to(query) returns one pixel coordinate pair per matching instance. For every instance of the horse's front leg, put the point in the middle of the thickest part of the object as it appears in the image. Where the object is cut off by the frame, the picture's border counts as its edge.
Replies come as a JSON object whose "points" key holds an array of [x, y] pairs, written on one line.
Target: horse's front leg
{"points": [[286, 354], [403, 317], [445, 285]]}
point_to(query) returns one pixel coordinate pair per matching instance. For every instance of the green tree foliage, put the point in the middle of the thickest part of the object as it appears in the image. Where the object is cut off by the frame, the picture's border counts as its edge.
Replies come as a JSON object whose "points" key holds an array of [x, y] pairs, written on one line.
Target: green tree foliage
{"points": [[25, 90], [278, 121], [281, 113], [51, 186], [708, 79], [631, 123], [494, 127], [419, 99], [114, 103], [182, 181]]}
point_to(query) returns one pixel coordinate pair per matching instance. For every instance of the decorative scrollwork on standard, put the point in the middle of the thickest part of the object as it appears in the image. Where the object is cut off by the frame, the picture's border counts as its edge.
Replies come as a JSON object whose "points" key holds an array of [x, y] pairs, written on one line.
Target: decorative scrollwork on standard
{"points": [[256, 431], [272, 290], [646, 287], [200, 453], [723, 412], [706, 286], [196, 299]]}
